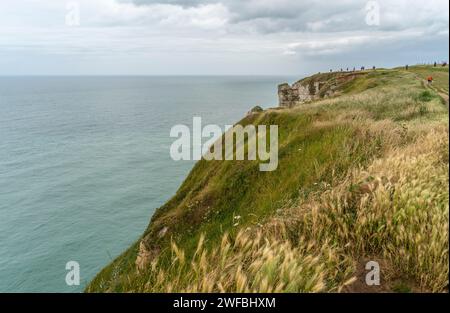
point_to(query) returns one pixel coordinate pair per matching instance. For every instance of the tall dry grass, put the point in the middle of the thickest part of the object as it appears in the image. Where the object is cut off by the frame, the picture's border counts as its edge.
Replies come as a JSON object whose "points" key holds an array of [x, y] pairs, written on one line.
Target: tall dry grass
{"points": [[251, 262], [379, 193], [395, 209]]}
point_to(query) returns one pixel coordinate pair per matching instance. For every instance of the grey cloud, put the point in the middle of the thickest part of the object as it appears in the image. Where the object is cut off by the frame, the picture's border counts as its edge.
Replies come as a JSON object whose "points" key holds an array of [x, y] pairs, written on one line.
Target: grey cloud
{"points": [[222, 36], [279, 15], [182, 3], [272, 16]]}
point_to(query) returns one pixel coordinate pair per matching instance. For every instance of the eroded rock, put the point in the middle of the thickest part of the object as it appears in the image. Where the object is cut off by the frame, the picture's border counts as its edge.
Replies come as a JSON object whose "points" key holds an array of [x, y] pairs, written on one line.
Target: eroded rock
{"points": [[305, 91], [255, 109], [163, 231], [300, 92], [143, 258]]}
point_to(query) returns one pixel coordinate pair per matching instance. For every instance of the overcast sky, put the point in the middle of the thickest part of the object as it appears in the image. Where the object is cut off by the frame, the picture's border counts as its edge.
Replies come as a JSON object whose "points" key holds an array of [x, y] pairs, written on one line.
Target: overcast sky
{"points": [[156, 37]]}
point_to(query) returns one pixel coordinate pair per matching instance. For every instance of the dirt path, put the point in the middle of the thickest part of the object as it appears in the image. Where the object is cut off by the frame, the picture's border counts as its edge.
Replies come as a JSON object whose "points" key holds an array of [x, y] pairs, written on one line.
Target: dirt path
{"points": [[442, 94]]}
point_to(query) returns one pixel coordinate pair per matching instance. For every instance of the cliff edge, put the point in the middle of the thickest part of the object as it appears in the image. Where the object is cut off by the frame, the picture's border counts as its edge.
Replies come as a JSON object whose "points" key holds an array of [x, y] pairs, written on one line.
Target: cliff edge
{"points": [[362, 177]]}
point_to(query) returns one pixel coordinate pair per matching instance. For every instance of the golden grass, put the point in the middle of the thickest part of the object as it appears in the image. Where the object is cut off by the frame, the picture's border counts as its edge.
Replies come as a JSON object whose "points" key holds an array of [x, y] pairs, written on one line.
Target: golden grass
{"points": [[396, 208], [383, 195], [250, 262]]}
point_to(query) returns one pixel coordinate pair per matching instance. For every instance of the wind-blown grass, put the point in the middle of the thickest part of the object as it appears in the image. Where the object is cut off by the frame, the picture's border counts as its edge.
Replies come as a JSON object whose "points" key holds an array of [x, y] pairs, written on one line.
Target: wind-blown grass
{"points": [[396, 209], [363, 175]]}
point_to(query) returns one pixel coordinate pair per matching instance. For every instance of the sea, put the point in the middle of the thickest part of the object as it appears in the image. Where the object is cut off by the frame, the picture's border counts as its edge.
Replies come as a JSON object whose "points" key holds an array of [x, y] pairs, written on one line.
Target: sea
{"points": [[85, 161]]}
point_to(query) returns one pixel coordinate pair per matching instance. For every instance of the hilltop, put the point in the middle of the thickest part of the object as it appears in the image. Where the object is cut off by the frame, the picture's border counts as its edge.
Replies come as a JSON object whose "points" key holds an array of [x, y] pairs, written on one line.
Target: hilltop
{"points": [[362, 175]]}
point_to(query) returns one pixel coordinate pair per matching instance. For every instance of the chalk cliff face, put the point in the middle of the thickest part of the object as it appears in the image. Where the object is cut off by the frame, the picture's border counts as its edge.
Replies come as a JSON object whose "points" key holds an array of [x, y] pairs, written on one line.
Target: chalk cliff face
{"points": [[299, 92], [313, 88]]}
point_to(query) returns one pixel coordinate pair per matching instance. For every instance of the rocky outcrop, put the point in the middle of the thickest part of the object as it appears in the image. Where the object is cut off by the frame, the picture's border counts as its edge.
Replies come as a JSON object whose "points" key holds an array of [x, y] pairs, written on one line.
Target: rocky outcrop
{"points": [[144, 256], [313, 88], [287, 96], [255, 109], [300, 92], [147, 254]]}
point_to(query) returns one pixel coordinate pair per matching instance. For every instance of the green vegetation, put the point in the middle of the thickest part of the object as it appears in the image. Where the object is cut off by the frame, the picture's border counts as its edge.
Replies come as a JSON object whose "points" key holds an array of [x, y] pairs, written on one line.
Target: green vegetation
{"points": [[401, 288], [439, 74], [256, 109], [363, 174], [425, 96]]}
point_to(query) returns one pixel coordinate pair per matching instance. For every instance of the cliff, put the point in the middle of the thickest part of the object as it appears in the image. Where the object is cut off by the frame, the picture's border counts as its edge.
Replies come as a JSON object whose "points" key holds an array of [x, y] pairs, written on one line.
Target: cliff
{"points": [[314, 87], [362, 176]]}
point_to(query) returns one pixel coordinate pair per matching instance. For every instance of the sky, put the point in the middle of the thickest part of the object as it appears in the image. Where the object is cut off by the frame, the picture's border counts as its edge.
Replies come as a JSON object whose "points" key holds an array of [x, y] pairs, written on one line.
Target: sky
{"points": [[217, 37]]}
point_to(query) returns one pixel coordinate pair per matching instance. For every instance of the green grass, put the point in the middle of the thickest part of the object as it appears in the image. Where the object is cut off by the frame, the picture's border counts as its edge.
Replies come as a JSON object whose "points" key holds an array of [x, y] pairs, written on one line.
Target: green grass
{"points": [[323, 147], [426, 96], [401, 288], [439, 74]]}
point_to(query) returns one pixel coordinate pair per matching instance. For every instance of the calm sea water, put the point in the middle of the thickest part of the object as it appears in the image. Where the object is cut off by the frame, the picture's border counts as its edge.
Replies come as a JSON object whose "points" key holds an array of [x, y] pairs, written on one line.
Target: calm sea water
{"points": [[84, 162]]}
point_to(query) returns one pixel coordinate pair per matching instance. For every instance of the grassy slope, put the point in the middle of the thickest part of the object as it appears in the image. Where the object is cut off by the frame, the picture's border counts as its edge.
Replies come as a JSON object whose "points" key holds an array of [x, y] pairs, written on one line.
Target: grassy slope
{"points": [[346, 190], [439, 74]]}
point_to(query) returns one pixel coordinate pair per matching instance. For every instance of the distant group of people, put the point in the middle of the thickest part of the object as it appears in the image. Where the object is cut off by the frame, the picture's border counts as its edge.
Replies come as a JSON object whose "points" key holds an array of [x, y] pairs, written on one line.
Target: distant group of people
{"points": [[444, 64], [430, 78], [354, 69], [435, 64]]}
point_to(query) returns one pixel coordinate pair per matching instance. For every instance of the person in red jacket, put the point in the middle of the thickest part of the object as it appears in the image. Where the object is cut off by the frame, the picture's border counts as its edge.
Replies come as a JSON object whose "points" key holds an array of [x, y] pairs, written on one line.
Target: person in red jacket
{"points": [[429, 79]]}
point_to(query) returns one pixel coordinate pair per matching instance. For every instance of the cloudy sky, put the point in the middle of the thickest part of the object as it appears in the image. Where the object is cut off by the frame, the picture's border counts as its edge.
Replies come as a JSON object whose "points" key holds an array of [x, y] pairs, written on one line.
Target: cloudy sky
{"points": [[156, 37]]}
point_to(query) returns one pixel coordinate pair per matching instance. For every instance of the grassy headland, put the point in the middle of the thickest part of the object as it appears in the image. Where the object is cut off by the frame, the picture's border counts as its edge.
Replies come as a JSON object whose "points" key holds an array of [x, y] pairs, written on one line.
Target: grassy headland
{"points": [[362, 175]]}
